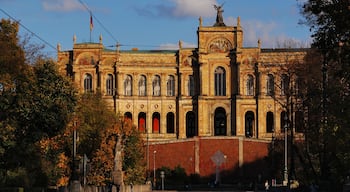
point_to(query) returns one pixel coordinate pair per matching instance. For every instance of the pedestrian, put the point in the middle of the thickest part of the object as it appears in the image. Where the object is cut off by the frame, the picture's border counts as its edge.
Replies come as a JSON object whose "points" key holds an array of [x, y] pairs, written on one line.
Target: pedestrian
{"points": [[267, 186]]}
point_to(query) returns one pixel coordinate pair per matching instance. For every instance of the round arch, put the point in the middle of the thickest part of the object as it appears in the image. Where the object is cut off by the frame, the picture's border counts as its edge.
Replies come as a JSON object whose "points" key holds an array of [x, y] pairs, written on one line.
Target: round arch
{"points": [[142, 122], [249, 120], [220, 125], [156, 122], [191, 129]]}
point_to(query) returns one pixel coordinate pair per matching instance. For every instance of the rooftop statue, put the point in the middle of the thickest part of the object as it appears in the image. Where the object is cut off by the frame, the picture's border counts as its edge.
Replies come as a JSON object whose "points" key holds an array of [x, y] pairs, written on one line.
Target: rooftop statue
{"points": [[219, 18]]}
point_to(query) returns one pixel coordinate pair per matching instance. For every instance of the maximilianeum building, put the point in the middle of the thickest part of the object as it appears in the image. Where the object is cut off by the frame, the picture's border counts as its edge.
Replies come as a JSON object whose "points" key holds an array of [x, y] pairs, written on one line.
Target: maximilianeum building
{"points": [[219, 88]]}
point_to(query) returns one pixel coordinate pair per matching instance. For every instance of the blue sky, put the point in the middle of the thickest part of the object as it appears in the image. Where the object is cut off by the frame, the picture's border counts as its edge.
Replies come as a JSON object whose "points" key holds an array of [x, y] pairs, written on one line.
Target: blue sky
{"points": [[153, 24]]}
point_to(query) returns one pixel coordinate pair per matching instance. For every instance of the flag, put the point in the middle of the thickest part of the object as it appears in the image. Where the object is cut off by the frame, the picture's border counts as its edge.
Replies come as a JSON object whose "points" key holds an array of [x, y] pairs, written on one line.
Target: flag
{"points": [[91, 23]]}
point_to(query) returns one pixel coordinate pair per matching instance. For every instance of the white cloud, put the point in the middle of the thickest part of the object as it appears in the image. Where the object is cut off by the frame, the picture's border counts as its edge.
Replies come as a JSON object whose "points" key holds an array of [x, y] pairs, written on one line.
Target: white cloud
{"points": [[254, 30], [61, 5], [202, 8], [179, 8]]}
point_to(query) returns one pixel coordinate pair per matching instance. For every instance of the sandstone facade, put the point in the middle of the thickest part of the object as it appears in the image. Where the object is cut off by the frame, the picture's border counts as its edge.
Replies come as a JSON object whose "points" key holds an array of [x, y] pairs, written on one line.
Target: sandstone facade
{"points": [[219, 88]]}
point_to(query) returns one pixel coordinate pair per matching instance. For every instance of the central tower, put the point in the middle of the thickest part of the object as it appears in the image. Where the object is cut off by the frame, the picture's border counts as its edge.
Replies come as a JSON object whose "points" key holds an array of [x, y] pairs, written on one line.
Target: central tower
{"points": [[218, 48]]}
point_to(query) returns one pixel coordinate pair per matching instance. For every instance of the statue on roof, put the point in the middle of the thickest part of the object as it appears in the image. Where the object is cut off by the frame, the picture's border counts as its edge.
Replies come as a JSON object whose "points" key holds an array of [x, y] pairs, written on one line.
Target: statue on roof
{"points": [[219, 18]]}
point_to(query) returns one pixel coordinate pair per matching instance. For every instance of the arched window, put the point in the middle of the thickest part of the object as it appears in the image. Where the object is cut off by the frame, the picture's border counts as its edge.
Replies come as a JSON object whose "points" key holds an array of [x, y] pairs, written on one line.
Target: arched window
{"points": [[269, 122], [128, 85], [191, 130], [250, 85], [156, 85], [270, 85], [156, 122], [87, 83], [284, 84], [128, 116], [299, 121], [220, 81], [170, 86], [142, 86], [249, 124], [220, 122], [284, 120], [142, 122], [110, 85], [191, 85], [170, 123], [298, 86]]}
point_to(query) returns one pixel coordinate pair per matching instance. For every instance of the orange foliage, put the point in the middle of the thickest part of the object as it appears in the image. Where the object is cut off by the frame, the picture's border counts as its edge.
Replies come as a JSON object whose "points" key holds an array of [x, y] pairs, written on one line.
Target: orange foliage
{"points": [[55, 161], [102, 164], [103, 161], [63, 170]]}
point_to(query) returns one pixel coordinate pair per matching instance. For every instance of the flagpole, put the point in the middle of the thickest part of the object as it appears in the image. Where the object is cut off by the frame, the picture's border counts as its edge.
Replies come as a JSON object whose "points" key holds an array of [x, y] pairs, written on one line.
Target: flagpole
{"points": [[91, 25]]}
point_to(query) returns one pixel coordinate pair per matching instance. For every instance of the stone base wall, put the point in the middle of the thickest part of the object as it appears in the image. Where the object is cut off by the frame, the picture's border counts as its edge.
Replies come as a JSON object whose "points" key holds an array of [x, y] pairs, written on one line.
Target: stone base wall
{"points": [[235, 156]]}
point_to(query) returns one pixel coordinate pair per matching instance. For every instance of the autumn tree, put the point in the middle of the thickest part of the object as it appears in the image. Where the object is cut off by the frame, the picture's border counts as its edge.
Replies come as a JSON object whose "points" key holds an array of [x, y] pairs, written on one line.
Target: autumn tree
{"points": [[55, 157], [12, 57], [96, 126], [134, 164], [100, 129], [328, 130], [14, 76], [35, 102], [40, 110]]}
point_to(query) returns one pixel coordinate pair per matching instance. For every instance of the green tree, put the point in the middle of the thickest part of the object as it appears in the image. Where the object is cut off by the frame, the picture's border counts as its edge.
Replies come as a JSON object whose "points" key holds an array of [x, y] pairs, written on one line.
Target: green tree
{"points": [[40, 110], [328, 130], [37, 121], [94, 118], [12, 57], [53, 103], [34, 104], [96, 126]]}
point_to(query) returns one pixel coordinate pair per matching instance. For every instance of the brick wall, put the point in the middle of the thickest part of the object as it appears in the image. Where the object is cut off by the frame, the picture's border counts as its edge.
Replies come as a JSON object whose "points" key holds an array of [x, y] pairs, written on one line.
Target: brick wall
{"points": [[241, 157]]}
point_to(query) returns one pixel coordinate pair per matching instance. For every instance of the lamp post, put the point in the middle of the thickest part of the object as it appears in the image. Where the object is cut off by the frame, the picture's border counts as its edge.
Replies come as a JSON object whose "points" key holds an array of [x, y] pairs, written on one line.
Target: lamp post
{"points": [[147, 153], [154, 168], [285, 179], [75, 183]]}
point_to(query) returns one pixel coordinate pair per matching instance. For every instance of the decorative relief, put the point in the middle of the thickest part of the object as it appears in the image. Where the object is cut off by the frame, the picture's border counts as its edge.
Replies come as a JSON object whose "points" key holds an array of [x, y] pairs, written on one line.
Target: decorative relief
{"points": [[87, 59], [249, 61], [147, 59], [108, 62], [220, 45], [187, 60]]}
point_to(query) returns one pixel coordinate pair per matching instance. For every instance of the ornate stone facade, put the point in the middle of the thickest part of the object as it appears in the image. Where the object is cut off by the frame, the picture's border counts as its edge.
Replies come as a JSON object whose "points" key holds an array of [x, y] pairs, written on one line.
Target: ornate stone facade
{"points": [[219, 88]]}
